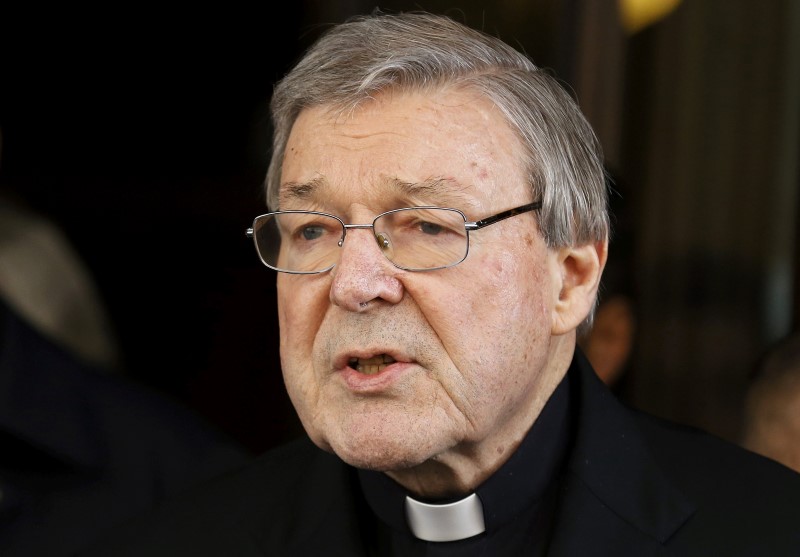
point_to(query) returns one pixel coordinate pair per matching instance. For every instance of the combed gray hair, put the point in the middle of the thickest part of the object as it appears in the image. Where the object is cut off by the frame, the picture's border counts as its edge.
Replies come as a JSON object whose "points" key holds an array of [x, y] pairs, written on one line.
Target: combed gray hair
{"points": [[417, 51]]}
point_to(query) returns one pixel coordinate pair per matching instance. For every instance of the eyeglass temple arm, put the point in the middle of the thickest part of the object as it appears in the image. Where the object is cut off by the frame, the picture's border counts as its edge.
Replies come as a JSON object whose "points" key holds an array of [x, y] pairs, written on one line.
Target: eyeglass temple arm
{"points": [[504, 215]]}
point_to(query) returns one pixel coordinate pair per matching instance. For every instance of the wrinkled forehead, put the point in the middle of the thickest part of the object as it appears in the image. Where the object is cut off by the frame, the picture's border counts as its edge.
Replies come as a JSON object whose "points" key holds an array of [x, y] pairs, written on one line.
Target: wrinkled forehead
{"points": [[450, 143], [385, 191]]}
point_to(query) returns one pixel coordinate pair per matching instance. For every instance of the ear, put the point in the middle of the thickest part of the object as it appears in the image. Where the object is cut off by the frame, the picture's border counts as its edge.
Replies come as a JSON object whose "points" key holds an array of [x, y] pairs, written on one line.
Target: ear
{"points": [[580, 268]]}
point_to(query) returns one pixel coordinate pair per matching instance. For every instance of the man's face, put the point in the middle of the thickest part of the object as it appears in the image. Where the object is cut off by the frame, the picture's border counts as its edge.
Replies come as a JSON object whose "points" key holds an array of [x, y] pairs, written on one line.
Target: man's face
{"points": [[471, 359]]}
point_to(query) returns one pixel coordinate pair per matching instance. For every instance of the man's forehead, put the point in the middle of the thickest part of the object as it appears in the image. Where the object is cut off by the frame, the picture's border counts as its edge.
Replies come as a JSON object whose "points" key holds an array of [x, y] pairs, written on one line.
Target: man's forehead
{"points": [[439, 188], [449, 148]]}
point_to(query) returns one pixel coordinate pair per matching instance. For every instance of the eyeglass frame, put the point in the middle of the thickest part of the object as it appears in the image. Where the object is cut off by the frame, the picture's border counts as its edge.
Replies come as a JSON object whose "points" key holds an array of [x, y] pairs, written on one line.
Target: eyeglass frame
{"points": [[469, 226]]}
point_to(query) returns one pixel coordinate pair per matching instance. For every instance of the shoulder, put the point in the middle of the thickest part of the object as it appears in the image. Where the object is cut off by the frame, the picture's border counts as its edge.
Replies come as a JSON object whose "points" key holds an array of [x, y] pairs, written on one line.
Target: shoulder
{"points": [[148, 442], [675, 486], [703, 461], [750, 501], [234, 512], [701, 464], [274, 483]]}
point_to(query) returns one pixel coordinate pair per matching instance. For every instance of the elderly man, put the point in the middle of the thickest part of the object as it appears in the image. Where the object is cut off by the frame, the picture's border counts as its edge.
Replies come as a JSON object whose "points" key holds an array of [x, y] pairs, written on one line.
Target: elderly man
{"points": [[439, 230]]}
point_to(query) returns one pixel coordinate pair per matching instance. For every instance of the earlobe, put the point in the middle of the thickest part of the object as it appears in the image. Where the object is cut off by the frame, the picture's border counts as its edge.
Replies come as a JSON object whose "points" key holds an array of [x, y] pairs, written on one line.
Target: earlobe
{"points": [[580, 269]]}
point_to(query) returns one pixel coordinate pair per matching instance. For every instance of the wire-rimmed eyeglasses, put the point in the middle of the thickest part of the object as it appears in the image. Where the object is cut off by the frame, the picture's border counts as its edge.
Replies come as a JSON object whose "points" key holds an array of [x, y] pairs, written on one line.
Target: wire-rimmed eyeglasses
{"points": [[411, 238]]}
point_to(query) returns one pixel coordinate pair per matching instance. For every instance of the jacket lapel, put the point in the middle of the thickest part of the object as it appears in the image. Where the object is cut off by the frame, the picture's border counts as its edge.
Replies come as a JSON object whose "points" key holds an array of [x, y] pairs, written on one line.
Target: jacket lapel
{"points": [[614, 498]]}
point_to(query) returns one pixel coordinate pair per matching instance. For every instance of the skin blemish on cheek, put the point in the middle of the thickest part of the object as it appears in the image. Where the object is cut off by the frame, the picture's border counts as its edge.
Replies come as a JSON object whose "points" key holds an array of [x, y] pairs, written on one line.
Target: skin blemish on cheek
{"points": [[497, 266], [480, 172]]}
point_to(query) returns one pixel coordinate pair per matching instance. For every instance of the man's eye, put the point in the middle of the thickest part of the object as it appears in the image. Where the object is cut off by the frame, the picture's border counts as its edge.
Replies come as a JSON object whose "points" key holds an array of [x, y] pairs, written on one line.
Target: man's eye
{"points": [[311, 232], [430, 228]]}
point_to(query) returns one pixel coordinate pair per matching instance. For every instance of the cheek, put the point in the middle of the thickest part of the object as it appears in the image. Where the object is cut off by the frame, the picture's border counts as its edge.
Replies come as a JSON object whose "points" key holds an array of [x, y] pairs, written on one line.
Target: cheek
{"points": [[495, 314], [514, 290], [300, 313], [511, 328], [301, 308]]}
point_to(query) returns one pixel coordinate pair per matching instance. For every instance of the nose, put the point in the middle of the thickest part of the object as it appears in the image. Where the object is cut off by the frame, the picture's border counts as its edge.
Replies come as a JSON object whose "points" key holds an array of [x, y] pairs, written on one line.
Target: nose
{"points": [[363, 274]]}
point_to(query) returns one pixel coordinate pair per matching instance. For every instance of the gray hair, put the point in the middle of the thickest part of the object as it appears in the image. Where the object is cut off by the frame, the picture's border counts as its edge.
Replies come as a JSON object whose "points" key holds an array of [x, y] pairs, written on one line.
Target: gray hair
{"points": [[418, 51]]}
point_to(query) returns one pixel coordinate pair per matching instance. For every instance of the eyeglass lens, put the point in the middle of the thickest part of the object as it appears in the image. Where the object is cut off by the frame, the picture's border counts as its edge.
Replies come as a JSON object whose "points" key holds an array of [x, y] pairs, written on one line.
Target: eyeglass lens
{"points": [[412, 239]]}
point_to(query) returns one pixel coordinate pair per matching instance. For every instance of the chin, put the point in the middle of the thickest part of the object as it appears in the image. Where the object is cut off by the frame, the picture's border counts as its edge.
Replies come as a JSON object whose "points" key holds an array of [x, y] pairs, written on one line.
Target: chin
{"points": [[379, 461], [382, 437], [381, 452]]}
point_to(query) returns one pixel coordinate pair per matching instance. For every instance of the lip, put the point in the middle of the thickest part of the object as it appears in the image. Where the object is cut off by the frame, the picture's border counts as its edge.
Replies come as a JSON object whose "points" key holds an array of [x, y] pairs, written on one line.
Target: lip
{"points": [[381, 381], [342, 358], [378, 382]]}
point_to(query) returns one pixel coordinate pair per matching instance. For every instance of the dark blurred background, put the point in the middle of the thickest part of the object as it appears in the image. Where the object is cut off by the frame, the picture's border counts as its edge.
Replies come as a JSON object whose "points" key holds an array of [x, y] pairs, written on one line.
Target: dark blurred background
{"points": [[143, 134]]}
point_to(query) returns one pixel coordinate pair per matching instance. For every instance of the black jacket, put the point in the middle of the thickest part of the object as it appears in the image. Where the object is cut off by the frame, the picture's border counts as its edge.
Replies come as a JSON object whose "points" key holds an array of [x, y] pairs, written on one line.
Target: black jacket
{"points": [[81, 451]]}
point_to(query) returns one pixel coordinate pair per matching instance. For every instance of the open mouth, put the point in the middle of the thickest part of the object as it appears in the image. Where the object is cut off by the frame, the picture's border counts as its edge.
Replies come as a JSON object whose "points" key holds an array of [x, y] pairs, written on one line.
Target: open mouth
{"points": [[371, 366]]}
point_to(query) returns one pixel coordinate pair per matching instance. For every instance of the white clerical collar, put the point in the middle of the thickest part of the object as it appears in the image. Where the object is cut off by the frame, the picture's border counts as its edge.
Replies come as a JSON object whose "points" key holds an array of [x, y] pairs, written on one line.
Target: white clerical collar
{"points": [[448, 522]]}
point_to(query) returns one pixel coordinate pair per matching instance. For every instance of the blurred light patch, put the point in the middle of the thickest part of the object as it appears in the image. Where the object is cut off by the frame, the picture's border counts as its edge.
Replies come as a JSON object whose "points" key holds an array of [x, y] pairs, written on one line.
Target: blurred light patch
{"points": [[638, 14]]}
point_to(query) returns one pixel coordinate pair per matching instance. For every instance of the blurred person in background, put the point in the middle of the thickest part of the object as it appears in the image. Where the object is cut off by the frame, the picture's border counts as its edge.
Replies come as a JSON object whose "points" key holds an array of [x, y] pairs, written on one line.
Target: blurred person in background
{"points": [[81, 447], [771, 425]]}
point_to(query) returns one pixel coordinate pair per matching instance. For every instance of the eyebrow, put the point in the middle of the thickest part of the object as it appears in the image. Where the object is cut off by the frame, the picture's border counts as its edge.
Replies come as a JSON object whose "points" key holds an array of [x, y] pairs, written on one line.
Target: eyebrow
{"points": [[441, 191], [299, 191]]}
